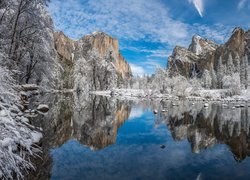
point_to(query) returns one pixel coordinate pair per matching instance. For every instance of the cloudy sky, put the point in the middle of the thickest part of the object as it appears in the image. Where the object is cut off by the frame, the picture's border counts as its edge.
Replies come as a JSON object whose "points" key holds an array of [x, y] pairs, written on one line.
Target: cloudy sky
{"points": [[148, 30]]}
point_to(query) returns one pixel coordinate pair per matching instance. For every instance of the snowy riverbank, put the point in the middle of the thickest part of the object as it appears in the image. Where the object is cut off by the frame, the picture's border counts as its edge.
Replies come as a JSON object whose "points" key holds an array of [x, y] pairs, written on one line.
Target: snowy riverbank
{"points": [[199, 95], [18, 137]]}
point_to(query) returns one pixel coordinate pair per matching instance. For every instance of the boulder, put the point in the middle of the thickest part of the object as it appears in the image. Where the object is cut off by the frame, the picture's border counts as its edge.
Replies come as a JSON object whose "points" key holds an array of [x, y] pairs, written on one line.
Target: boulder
{"points": [[155, 111], [43, 108]]}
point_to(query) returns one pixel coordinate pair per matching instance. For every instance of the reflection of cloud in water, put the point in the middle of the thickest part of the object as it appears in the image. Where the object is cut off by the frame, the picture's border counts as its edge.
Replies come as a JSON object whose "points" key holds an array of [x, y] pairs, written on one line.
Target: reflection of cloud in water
{"points": [[136, 112], [135, 151], [137, 161]]}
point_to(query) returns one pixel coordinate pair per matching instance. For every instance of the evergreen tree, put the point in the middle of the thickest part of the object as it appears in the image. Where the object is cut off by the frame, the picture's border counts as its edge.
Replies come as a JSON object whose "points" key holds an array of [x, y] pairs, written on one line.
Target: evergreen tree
{"points": [[206, 79], [237, 63], [220, 72], [243, 71], [230, 65]]}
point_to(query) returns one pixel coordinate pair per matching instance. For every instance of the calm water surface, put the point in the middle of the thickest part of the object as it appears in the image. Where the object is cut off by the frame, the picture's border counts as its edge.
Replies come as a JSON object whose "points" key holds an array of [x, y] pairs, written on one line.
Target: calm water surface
{"points": [[103, 138]]}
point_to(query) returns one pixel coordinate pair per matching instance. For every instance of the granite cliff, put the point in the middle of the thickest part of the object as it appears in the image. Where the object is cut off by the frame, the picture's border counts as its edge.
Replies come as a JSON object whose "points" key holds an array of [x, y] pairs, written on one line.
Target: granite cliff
{"points": [[218, 60], [94, 59]]}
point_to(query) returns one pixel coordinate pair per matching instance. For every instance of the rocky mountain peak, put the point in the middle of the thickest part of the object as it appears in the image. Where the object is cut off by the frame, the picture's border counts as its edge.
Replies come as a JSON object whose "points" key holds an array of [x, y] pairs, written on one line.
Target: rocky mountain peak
{"points": [[220, 60], [237, 41], [64, 45], [101, 42], [200, 45], [104, 44]]}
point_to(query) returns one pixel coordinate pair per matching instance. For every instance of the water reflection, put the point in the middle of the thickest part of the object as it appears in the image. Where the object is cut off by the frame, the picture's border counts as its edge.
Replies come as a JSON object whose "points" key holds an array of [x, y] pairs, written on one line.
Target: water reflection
{"points": [[94, 122], [205, 127]]}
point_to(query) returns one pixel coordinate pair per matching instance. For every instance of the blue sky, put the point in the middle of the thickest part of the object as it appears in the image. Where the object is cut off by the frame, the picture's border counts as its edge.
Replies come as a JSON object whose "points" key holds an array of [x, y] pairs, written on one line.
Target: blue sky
{"points": [[148, 30]]}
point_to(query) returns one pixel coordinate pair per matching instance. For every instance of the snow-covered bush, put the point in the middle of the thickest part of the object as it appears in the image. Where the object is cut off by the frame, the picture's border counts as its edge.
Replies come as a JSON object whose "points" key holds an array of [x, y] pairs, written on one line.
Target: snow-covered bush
{"points": [[180, 86], [232, 83]]}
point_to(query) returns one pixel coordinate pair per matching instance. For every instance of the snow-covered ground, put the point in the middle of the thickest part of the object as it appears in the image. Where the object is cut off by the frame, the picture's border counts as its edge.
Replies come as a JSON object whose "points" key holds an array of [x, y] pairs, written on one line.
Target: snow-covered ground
{"points": [[199, 95]]}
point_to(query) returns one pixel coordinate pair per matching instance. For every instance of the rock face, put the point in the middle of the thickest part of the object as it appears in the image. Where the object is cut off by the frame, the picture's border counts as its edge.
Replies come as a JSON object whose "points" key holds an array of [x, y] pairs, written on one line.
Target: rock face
{"points": [[219, 60], [200, 45], [105, 45], [95, 59]]}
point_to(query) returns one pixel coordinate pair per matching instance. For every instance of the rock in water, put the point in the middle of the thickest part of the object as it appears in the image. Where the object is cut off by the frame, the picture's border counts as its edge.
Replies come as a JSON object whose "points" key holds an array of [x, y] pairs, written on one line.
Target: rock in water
{"points": [[155, 111], [162, 146], [43, 108]]}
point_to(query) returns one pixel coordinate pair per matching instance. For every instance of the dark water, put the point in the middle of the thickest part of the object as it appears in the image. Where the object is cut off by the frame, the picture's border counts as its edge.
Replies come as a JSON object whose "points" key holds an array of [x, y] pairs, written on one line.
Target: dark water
{"points": [[101, 138]]}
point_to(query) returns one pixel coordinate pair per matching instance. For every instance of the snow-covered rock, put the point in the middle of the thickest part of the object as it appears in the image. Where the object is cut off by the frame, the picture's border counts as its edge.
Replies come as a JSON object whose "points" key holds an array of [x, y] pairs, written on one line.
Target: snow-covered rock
{"points": [[206, 105], [155, 111], [200, 45], [29, 87], [43, 108]]}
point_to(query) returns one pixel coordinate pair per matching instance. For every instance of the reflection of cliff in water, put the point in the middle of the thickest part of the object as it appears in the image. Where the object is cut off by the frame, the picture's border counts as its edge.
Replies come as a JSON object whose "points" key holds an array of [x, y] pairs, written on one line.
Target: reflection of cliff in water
{"points": [[92, 120], [98, 120], [205, 127]]}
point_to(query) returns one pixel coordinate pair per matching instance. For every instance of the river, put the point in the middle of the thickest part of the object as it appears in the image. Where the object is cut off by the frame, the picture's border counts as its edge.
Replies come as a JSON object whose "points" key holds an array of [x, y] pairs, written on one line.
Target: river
{"points": [[95, 137]]}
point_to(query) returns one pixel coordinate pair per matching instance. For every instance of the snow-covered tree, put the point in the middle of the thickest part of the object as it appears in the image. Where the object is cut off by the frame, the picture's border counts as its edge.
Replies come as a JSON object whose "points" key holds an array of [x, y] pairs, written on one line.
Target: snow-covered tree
{"points": [[220, 72], [206, 79], [243, 71], [214, 79], [232, 83], [25, 35], [237, 63], [160, 80], [180, 86], [230, 65]]}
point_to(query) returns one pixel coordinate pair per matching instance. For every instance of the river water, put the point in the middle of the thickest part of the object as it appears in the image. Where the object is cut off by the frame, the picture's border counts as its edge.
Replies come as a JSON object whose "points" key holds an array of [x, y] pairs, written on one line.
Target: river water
{"points": [[94, 137]]}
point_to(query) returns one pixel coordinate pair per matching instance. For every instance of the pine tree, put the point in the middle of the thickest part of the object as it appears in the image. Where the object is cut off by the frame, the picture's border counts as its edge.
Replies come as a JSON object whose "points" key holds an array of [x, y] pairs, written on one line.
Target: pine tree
{"points": [[237, 63], [246, 70], [214, 79], [243, 71], [220, 72], [206, 79], [230, 65]]}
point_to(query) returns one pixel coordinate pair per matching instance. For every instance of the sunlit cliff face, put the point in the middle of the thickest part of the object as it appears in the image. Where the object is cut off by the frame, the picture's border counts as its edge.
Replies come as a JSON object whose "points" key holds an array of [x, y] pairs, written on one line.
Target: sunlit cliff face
{"points": [[97, 43]]}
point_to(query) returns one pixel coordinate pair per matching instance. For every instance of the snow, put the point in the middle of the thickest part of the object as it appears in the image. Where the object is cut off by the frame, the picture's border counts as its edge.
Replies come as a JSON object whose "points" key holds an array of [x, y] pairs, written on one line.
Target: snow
{"points": [[30, 87], [43, 108], [198, 95], [14, 133], [36, 136]]}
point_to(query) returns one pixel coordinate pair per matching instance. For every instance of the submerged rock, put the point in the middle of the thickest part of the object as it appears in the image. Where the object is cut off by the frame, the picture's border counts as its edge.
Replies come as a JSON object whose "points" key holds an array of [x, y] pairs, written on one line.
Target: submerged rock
{"points": [[162, 146]]}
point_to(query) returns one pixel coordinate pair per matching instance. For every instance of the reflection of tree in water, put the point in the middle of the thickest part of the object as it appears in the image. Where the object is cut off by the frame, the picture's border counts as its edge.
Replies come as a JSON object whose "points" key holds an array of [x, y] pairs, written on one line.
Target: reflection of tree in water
{"points": [[205, 127], [92, 120], [100, 120]]}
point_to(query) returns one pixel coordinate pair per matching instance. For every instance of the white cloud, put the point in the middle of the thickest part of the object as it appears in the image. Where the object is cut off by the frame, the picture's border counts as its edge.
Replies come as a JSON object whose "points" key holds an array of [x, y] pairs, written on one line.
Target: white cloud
{"points": [[242, 4], [133, 21], [199, 5], [137, 70], [128, 19]]}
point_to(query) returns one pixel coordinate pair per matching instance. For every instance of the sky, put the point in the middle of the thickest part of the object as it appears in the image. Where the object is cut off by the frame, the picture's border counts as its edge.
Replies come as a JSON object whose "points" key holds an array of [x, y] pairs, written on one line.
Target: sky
{"points": [[148, 30]]}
